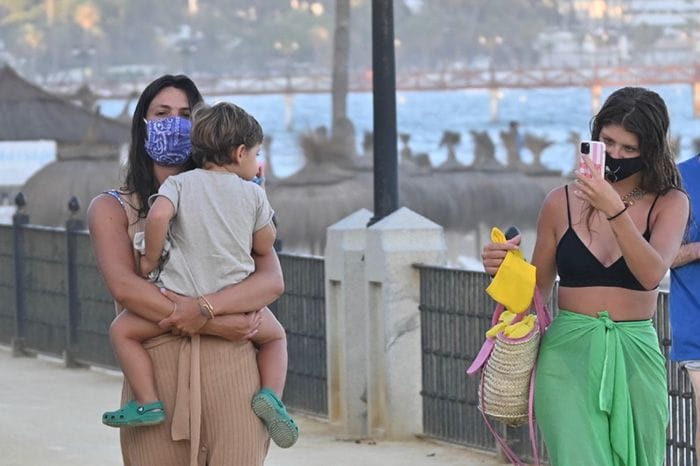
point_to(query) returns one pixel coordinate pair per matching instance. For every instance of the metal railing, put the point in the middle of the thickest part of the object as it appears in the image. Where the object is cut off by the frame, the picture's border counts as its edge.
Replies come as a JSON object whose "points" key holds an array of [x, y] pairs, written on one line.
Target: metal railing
{"points": [[53, 301], [302, 312]]}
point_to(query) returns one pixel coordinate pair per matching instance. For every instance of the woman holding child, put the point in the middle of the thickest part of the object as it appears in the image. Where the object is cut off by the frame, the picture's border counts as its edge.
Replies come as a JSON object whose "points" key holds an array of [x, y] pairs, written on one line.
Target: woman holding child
{"points": [[205, 389]]}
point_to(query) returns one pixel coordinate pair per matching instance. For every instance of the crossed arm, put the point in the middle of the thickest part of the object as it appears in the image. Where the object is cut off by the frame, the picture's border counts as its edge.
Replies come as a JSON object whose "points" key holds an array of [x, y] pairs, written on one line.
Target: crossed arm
{"points": [[113, 250]]}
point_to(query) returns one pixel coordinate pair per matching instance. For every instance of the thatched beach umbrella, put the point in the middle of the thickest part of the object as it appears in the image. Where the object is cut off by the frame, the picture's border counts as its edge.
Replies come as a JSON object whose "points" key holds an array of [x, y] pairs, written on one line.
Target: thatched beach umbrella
{"points": [[29, 113], [88, 145], [48, 191], [459, 201], [537, 145], [324, 191], [304, 210], [82, 170]]}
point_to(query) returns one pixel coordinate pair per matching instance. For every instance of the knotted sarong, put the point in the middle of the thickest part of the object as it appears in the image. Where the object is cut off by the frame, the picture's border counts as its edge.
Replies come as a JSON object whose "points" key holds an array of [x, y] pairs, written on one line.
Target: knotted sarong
{"points": [[601, 396]]}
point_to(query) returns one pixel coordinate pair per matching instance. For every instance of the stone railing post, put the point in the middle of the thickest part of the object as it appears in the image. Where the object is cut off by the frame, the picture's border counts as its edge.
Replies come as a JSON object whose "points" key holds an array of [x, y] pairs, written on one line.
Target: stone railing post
{"points": [[346, 323], [394, 244]]}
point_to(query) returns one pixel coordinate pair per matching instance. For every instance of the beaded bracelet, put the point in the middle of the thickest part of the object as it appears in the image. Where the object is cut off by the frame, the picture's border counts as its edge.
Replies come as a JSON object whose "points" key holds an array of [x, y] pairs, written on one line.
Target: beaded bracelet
{"points": [[618, 214]]}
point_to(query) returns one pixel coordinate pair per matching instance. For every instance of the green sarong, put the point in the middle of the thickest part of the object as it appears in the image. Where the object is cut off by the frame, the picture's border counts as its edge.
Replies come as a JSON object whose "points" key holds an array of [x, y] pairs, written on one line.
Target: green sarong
{"points": [[600, 395]]}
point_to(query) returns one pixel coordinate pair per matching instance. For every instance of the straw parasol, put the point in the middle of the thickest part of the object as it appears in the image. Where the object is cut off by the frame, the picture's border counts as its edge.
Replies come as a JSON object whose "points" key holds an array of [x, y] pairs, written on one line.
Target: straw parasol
{"points": [[330, 186], [82, 170], [88, 146], [49, 190], [28, 113], [459, 201], [304, 211]]}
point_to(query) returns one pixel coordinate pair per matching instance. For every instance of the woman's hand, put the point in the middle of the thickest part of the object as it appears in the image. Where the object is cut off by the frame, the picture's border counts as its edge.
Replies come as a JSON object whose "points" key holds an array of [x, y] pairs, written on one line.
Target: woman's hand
{"points": [[595, 190], [187, 317], [234, 327], [493, 254]]}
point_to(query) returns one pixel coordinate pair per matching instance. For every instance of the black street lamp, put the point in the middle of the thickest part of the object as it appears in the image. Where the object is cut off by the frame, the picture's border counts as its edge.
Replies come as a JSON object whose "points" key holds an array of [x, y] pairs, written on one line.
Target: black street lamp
{"points": [[286, 49], [186, 44], [83, 55], [386, 188]]}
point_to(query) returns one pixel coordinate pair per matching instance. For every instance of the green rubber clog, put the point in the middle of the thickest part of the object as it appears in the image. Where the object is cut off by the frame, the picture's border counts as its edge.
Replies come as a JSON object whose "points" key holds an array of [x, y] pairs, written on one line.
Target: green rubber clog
{"points": [[133, 414], [280, 425]]}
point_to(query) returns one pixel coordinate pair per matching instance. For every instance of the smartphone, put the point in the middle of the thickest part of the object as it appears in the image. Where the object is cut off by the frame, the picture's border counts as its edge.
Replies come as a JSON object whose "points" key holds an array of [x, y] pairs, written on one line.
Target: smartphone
{"points": [[512, 232], [596, 151]]}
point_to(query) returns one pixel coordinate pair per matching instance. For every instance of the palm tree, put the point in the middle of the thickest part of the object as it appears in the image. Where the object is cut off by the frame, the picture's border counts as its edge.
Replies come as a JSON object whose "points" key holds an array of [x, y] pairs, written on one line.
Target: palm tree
{"points": [[341, 62]]}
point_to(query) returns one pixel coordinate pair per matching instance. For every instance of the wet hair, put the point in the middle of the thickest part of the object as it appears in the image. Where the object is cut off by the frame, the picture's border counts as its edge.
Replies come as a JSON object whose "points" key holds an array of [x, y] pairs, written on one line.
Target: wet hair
{"points": [[219, 129], [643, 113], [140, 178]]}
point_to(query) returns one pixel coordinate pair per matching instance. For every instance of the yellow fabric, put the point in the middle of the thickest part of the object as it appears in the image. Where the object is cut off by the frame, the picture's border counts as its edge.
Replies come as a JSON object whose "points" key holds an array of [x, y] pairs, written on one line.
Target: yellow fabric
{"points": [[504, 320], [520, 329], [514, 283]]}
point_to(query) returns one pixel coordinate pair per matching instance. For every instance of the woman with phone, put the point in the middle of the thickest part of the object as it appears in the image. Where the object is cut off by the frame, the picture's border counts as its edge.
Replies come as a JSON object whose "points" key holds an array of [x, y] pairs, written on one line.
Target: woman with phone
{"points": [[600, 391]]}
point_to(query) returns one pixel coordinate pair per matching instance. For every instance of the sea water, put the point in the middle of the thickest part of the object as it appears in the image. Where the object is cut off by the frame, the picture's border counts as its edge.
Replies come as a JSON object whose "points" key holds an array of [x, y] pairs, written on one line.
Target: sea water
{"points": [[549, 113], [20, 159]]}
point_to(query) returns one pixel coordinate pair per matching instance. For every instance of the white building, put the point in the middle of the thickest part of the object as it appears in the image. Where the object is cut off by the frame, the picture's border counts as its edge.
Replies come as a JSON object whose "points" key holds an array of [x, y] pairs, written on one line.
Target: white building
{"points": [[665, 13]]}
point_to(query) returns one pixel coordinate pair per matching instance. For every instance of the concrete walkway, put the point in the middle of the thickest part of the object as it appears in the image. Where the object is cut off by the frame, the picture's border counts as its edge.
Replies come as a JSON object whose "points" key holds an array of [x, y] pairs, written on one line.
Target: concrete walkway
{"points": [[50, 415]]}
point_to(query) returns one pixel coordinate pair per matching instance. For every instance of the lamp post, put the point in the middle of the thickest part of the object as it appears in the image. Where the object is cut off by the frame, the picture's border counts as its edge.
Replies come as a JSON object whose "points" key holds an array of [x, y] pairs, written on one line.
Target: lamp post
{"points": [[83, 55], [186, 45], [87, 16], [386, 185], [491, 43], [286, 48]]}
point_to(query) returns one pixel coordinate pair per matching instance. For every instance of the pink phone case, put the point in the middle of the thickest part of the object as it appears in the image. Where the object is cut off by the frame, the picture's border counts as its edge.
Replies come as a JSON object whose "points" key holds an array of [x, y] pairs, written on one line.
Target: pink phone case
{"points": [[596, 153]]}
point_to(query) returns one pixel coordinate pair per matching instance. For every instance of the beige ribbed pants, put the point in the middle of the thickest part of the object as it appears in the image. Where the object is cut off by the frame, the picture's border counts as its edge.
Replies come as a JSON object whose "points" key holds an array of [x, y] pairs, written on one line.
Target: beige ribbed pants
{"points": [[230, 433]]}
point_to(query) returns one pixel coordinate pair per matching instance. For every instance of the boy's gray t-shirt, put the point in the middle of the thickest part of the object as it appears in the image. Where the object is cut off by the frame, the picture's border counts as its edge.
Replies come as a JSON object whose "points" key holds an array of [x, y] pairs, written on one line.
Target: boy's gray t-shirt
{"points": [[212, 230]]}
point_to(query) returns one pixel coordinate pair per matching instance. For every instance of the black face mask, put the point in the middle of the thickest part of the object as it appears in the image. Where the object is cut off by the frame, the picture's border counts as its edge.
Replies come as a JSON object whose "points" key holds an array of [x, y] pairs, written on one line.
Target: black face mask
{"points": [[619, 169]]}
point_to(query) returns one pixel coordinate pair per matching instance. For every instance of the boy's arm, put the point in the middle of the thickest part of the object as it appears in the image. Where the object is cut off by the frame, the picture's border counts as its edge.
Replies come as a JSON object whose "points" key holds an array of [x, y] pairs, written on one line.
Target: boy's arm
{"points": [[157, 223], [264, 239]]}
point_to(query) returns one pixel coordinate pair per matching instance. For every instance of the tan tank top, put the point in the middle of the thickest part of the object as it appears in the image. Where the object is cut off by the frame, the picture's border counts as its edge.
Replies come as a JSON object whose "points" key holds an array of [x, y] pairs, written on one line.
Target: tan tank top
{"points": [[187, 412], [130, 204]]}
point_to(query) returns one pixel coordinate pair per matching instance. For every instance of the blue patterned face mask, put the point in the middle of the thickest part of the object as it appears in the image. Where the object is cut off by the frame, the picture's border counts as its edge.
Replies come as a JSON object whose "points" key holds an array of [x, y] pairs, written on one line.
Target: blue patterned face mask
{"points": [[168, 140]]}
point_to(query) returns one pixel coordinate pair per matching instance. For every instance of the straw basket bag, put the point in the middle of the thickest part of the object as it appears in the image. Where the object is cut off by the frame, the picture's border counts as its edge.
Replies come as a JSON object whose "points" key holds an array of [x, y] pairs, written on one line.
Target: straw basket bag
{"points": [[505, 390], [508, 372]]}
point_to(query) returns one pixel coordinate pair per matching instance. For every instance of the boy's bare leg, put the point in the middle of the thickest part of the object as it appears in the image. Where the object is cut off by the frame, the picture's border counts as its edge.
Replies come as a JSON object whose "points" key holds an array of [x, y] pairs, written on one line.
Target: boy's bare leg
{"points": [[272, 364], [127, 333], [272, 353]]}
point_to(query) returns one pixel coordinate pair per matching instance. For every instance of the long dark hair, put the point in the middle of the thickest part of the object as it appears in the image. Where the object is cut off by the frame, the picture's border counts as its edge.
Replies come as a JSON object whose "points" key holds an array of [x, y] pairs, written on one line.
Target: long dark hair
{"points": [[140, 178], [643, 113]]}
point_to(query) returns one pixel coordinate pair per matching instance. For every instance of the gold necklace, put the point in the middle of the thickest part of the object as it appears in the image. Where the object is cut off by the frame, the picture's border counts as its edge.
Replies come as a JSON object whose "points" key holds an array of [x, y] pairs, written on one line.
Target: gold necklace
{"points": [[633, 196]]}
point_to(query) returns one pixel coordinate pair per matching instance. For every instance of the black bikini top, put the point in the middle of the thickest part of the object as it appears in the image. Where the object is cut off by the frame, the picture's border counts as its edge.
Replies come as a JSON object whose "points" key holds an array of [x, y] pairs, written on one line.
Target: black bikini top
{"points": [[578, 267]]}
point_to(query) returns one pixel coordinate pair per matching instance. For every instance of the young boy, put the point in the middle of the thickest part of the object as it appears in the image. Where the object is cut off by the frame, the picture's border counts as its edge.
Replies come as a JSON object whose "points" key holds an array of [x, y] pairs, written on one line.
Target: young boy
{"points": [[215, 219]]}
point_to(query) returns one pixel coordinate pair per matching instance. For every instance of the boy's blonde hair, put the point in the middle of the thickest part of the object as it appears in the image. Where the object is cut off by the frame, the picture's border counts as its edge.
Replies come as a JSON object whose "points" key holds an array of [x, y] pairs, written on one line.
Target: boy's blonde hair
{"points": [[219, 129]]}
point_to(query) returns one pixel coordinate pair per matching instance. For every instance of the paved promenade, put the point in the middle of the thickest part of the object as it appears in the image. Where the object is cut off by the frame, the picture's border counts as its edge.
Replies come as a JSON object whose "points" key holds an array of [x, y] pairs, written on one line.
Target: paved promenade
{"points": [[50, 415]]}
